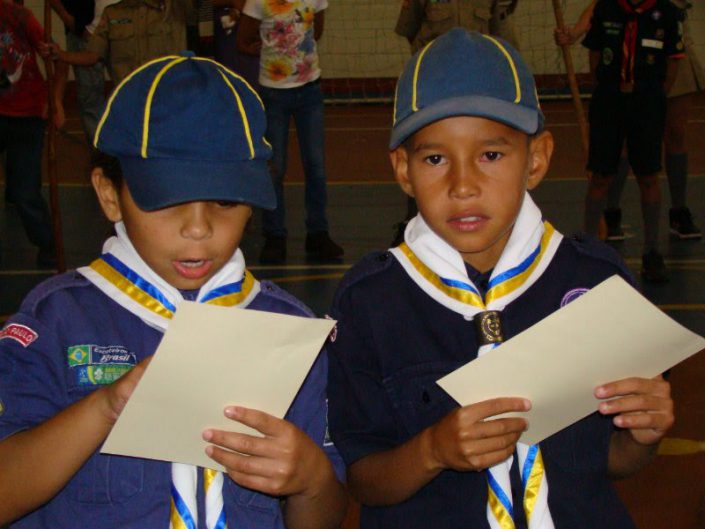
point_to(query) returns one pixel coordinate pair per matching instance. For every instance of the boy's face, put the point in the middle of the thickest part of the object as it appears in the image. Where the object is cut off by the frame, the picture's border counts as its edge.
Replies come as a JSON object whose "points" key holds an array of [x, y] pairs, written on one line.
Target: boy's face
{"points": [[469, 176], [185, 244]]}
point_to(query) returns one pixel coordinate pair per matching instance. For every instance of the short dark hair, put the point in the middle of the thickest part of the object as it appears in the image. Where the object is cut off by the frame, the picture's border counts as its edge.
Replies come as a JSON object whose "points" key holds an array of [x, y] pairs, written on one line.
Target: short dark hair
{"points": [[110, 165]]}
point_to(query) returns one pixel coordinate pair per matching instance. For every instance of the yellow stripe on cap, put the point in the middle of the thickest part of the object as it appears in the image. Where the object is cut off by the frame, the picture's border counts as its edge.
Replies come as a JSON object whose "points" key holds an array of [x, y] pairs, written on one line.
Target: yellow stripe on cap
{"points": [[416, 75], [233, 74], [517, 84], [243, 114], [148, 103], [117, 89]]}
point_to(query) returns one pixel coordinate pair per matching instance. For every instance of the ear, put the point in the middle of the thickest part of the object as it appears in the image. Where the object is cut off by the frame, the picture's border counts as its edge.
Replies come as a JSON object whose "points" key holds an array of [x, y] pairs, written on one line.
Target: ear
{"points": [[540, 152], [108, 196], [400, 165]]}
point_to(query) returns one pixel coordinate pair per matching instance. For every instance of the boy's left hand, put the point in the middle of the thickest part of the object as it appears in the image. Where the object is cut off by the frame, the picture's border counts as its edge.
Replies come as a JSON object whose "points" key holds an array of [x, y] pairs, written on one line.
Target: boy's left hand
{"points": [[642, 406], [284, 462]]}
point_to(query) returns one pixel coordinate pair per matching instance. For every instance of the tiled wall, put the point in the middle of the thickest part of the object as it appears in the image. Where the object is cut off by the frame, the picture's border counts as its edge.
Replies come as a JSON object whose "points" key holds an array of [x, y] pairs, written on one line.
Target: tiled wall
{"points": [[359, 39]]}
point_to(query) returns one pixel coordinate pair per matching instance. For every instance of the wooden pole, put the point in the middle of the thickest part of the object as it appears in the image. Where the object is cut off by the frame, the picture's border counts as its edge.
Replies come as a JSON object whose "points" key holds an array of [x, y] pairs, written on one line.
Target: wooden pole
{"points": [[51, 152], [572, 81]]}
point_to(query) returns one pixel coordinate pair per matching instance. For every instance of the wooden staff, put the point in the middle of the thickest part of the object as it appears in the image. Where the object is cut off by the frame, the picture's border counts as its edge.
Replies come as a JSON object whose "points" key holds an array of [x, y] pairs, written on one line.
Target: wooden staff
{"points": [[51, 151], [572, 81]]}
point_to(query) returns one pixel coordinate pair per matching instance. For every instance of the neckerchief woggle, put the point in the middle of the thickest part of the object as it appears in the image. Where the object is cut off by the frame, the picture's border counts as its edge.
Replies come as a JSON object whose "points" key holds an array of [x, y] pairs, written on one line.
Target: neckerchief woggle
{"points": [[438, 269], [124, 277]]}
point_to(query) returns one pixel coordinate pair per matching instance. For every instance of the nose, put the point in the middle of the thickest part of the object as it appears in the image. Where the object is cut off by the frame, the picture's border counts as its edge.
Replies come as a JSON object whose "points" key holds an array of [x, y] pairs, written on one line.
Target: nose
{"points": [[196, 222], [464, 180]]}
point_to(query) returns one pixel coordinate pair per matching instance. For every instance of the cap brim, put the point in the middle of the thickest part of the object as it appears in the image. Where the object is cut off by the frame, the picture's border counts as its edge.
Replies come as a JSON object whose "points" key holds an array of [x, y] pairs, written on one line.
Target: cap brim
{"points": [[526, 119], [156, 183]]}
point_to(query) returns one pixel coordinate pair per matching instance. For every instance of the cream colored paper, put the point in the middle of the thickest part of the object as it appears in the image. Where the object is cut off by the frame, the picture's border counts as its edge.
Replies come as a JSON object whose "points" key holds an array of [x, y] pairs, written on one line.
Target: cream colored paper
{"points": [[607, 334], [211, 357]]}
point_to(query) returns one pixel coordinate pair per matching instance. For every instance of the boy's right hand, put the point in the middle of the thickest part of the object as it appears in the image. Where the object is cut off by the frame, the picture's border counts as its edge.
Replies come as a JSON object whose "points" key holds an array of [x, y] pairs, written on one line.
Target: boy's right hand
{"points": [[118, 393], [466, 440]]}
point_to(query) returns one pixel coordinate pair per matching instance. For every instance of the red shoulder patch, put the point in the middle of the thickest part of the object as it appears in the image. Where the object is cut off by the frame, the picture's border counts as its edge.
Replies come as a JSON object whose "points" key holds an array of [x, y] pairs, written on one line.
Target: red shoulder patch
{"points": [[19, 333]]}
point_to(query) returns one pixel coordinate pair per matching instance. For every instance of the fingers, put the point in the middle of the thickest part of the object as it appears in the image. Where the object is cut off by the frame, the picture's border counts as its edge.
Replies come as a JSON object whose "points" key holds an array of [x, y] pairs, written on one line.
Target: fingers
{"points": [[490, 408], [255, 419], [644, 406]]}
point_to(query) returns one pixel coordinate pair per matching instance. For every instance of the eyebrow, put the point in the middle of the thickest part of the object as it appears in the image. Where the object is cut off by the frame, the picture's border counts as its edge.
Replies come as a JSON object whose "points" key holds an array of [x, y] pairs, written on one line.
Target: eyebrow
{"points": [[490, 142]]}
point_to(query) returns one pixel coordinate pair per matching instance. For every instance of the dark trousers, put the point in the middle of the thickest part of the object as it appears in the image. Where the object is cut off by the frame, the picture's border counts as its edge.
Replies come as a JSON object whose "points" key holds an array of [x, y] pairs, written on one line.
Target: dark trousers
{"points": [[22, 138]]}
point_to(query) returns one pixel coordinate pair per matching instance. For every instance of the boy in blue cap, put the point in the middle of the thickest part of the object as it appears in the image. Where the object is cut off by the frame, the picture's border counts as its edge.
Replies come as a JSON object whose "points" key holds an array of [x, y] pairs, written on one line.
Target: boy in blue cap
{"points": [[180, 195], [478, 266]]}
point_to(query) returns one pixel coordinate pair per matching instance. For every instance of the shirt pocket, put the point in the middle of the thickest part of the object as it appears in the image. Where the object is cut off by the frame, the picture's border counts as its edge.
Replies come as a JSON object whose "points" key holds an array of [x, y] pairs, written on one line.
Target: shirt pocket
{"points": [[105, 479], [418, 399], [121, 36]]}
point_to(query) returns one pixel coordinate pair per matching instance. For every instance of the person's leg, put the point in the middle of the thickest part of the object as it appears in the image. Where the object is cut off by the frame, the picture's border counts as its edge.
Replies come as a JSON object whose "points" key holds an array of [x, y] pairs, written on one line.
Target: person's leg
{"points": [[606, 139], [90, 88], [24, 181], [676, 158], [613, 212], [277, 104], [644, 139], [310, 130]]}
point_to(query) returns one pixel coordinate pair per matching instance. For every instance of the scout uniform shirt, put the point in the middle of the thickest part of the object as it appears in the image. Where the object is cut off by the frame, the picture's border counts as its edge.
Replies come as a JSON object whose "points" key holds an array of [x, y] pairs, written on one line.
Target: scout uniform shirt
{"points": [[421, 21], [656, 37], [133, 32]]}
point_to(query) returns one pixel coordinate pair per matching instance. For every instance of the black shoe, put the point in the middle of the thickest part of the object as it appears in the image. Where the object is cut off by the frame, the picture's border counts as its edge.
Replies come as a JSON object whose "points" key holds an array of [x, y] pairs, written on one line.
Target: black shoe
{"points": [[273, 251], [653, 269], [46, 259], [613, 221], [320, 247], [682, 226]]}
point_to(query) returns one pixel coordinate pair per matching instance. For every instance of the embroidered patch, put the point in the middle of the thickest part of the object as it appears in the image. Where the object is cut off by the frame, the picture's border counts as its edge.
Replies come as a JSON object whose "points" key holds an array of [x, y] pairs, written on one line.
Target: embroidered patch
{"points": [[94, 365], [652, 43], [20, 333], [607, 56], [656, 14], [572, 295], [2, 407]]}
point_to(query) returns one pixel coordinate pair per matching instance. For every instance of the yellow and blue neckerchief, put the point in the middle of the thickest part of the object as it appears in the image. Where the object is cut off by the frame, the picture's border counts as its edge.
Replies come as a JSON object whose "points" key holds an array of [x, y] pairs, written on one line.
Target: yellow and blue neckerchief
{"points": [[499, 286], [149, 297]]}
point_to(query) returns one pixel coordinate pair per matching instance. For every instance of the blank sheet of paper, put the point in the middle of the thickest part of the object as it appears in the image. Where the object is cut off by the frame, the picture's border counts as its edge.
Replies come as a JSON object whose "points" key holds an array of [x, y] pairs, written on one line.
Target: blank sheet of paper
{"points": [[211, 357], [610, 333]]}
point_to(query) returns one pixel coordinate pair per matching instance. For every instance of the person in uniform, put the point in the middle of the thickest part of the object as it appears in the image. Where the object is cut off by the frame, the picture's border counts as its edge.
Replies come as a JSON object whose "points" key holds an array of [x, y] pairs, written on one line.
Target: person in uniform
{"points": [[478, 266], [180, 195]]}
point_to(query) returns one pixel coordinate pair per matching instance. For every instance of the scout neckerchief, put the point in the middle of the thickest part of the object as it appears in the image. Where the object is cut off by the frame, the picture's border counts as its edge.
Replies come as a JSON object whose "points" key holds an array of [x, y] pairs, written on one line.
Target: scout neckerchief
{"points": [[123, 276], [631, 30], [439, 270]]}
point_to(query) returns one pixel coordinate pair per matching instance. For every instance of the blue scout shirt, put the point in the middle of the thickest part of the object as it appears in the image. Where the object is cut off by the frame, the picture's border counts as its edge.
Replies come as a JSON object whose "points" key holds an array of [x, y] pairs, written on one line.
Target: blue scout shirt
{"points": [[393, 342], [69, 338]]}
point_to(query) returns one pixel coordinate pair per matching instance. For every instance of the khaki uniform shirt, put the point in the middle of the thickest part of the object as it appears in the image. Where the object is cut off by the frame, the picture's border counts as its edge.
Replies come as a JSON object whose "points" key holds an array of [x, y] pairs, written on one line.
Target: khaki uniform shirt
{"points": [[421, 21], [133, 32]]}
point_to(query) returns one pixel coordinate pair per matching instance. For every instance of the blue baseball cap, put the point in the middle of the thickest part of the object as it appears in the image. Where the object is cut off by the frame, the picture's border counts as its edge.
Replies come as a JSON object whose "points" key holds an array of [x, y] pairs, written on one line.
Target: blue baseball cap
{"points": [[186, 128], [465, 73]]}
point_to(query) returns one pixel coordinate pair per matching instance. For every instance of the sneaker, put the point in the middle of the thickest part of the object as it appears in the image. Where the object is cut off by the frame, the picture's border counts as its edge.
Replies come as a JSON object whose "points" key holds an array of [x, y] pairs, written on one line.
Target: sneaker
{"points": [[682, 226], [320, 247], [273, 251], [653, 269], [613, 221]]}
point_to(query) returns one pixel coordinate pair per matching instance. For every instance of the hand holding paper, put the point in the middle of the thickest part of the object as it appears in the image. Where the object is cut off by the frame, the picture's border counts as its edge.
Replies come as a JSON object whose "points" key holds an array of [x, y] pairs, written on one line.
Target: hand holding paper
{"points": [[284, 461], [472, 438], [643, 406]]}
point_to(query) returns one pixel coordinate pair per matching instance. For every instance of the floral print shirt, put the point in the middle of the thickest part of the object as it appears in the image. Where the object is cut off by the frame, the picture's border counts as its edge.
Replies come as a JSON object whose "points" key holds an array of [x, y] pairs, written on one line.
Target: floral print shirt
{"points": [[289, 57]]}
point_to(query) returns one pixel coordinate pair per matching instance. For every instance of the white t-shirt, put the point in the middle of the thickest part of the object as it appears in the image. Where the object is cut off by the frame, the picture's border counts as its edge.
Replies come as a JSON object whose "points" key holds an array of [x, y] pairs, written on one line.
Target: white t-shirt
{"points": [[289, 57]]}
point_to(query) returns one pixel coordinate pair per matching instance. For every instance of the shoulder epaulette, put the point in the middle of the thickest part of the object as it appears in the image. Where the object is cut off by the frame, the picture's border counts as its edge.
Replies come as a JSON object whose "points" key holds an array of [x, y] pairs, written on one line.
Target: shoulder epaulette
{"points": [[268, 288], [373, 263], [46, 288], [590, 246]]}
